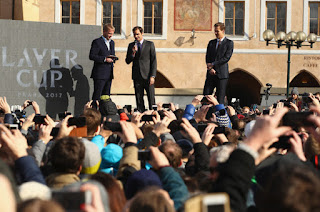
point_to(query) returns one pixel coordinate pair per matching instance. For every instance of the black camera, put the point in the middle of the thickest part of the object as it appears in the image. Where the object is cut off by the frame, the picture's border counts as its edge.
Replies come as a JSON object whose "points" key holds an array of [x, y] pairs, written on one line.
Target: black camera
{"points": [[306, 99], [144, 155], [113, 57]]}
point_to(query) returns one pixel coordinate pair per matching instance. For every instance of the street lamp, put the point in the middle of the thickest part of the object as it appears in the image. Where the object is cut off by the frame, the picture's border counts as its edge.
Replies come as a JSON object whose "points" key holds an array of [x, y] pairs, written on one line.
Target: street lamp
{"points": [[290, 39]]}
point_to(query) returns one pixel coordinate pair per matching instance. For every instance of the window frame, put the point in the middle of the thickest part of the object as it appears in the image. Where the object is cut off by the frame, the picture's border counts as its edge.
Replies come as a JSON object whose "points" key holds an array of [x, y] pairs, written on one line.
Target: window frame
{"points": [[140, 19], [263, 15], [306, 16], [58, 11], [102, 17], [318, 19], [276, 13], [245, 35], [234, 17], [152, 17], [99, 18], [70, 12]]}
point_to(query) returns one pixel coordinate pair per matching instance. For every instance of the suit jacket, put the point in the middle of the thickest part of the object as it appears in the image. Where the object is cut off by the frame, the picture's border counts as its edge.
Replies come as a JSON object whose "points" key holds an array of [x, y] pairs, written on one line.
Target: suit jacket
{"points": [[220, 56], [98, 52], [145, 62]]}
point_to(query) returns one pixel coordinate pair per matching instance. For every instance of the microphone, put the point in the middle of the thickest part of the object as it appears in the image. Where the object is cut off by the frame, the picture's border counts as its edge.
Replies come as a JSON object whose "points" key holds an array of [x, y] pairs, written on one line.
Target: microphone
{"points": [[135, 47], [268, 84]]}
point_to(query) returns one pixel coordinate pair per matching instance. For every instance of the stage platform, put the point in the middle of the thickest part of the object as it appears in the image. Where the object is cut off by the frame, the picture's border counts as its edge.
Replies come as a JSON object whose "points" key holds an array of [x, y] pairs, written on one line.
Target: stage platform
{"points": [[181, 96]]}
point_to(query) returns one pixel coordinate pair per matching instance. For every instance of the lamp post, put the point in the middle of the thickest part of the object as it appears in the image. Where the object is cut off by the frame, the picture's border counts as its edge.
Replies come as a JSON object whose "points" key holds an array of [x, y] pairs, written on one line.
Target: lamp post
{"points": [[290, 39]]}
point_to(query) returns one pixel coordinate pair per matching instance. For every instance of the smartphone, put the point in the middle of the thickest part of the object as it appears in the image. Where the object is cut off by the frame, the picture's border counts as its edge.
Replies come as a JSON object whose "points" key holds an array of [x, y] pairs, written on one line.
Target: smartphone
{"points": [[154, 107], [286, 104], [222, 112], [113, 126], [29, 103], [77, 121], [306, 99], [54, 131], [144, 155], [38, 119], [274, 105], [147, 117], [219, 130], [63, 115], [218, 202], [166, 105], [282, 143], [72, 200], [12, 126], [297, 119], [266, 112], [209, 113], [202, 127], [204, 100], [129, 108]]}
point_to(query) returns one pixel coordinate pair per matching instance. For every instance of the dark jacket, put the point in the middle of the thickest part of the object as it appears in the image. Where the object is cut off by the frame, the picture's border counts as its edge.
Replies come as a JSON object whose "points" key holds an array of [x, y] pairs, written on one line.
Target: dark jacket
{"points": [[235, 178], [145, 62], [98, 52], [28, 170], [220, 56], [201, 160]]}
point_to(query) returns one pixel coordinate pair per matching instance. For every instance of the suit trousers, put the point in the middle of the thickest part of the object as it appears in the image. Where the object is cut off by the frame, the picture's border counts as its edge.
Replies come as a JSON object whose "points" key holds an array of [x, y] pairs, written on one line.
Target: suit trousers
{"points": [[212, 81], [101, 87], [139, 86]]}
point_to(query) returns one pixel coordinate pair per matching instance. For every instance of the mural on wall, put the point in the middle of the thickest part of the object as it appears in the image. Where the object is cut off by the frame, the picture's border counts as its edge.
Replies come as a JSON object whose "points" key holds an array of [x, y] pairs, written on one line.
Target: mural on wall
{"points": [[193, 14]]}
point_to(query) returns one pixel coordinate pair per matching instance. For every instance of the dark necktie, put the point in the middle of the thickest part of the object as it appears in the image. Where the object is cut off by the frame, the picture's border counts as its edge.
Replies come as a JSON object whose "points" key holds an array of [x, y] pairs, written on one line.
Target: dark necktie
{"points": [[139, 46], [219, 43]]}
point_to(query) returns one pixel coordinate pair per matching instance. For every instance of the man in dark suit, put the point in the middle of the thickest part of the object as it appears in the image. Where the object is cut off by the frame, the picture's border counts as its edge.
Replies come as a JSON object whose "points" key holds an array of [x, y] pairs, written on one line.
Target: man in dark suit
{"points": [[101, 52], [219, 52], [144, 68]]}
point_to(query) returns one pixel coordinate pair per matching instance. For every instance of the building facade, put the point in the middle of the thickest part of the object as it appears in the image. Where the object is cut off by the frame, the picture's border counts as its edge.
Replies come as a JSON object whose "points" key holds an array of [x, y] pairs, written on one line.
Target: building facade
{"points": [[181, 30]]}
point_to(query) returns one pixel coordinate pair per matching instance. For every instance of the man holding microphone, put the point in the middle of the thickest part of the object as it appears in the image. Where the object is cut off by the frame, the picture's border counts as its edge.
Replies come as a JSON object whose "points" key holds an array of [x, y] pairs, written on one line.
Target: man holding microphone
{"points": [[144, 67]]}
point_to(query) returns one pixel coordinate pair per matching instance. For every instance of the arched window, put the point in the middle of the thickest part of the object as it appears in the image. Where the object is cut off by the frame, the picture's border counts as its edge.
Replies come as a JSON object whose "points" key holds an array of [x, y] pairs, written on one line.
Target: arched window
{"points": [[304, 79], [244, 86]]}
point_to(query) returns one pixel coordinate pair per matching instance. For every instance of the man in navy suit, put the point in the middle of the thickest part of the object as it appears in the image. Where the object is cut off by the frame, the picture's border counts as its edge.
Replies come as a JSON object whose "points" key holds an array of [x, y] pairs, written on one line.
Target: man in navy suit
{"points": [[144, 68], [101, 52], [219, 52]]}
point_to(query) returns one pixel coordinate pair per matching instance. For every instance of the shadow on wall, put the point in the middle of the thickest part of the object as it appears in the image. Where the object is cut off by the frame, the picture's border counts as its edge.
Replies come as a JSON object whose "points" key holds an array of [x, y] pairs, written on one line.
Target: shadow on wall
{"points": [[162, 81], [57, 85], [244, 86], [82, 89]]}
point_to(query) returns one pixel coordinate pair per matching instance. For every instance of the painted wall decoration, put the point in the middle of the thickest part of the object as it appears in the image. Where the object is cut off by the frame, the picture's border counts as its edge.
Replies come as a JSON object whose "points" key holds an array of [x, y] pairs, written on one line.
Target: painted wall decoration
{"points": [[193, 14]]}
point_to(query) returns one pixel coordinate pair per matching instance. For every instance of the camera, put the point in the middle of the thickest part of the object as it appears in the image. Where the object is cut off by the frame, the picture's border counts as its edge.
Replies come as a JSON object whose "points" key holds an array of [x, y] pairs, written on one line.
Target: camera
{"points": [[147, 117], [129, 108], [38, 119], [63, 115], [297, 119], [144, 155], [113, 126], [77, 121], [218, 202], [306, 99], [166, 105], [12, 126]]}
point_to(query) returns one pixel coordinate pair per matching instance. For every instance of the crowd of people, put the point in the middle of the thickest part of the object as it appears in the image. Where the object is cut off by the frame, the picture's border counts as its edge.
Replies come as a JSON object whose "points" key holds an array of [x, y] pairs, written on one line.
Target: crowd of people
{"points": [[165, 159]]}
